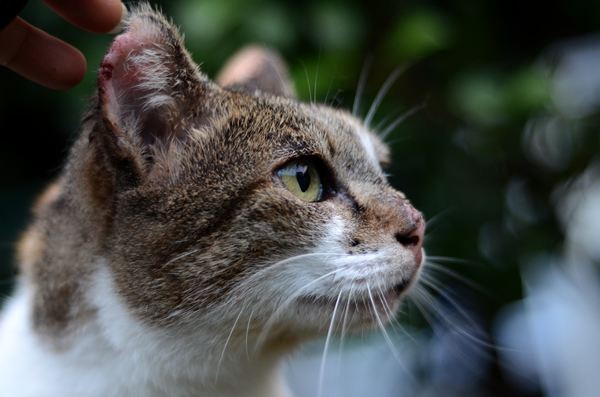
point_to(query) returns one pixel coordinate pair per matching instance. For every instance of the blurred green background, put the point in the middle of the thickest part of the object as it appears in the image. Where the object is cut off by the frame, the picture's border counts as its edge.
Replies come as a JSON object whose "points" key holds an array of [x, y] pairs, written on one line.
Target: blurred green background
{"points": [[480, 76]]}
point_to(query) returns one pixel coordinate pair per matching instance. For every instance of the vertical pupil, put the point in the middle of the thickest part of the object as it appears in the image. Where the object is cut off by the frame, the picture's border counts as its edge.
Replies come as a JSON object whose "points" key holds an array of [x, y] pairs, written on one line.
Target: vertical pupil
{"points": [[303, 177]]}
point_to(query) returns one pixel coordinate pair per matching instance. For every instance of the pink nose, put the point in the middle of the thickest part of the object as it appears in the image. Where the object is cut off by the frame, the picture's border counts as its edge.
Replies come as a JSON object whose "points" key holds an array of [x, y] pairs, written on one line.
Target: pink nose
{"points": [[413, 239]]}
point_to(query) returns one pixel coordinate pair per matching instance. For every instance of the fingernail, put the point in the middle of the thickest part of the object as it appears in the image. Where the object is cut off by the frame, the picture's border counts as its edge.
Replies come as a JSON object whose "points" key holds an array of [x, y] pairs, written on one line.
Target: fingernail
{"points": [[122, 23]]}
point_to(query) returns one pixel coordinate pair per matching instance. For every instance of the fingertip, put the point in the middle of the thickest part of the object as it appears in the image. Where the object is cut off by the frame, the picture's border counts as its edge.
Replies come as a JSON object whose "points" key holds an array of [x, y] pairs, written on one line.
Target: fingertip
{"points": [[122, 22], [68, 71], [95, 16], [62, 72]]}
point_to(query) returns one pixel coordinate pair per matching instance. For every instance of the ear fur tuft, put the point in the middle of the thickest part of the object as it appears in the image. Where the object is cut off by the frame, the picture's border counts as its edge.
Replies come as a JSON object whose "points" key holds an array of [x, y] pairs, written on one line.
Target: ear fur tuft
{"points": [[148, 83]]}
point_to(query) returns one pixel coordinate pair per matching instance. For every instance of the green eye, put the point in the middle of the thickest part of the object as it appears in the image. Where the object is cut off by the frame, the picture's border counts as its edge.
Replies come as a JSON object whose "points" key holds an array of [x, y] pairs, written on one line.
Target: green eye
{"points": [[302, 178]]}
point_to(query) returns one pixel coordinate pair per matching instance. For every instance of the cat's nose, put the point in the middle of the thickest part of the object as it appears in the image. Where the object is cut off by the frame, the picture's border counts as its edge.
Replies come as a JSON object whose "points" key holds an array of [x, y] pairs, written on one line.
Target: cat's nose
{"points": [[412, 239]]}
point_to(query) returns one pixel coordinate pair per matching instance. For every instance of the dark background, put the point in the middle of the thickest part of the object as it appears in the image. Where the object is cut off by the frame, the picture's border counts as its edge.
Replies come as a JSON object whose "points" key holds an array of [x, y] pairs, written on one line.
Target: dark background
{"points": [[478, 74]]}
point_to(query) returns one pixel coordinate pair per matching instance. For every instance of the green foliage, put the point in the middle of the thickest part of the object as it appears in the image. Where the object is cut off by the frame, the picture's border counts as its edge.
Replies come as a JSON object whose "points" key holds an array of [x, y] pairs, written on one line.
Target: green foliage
{"points": [[419, 33]]}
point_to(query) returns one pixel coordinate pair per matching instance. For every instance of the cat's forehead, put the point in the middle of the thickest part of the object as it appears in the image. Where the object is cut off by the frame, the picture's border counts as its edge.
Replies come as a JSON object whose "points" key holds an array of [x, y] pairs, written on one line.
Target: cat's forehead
{"points": [[349, 133], [283, 128]]}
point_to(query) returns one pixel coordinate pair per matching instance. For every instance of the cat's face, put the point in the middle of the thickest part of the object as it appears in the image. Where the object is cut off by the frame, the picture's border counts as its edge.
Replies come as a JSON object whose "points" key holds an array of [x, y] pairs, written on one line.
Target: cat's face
{"points": [[238, 200]]}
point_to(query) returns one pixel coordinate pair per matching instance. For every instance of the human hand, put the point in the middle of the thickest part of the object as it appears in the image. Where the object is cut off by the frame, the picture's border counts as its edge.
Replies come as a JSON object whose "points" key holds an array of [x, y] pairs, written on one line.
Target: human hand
{"points": [[51, 62]]}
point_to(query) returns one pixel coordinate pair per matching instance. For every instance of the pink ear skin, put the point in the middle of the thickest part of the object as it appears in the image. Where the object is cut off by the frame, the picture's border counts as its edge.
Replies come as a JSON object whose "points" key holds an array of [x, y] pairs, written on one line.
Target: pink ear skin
{"points": [[116, 74]]}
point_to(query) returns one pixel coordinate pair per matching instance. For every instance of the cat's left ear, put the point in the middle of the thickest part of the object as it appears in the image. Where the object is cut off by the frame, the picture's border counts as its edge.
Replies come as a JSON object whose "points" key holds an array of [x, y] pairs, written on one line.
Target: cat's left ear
{"points": [[257, 68], [149, 88]]}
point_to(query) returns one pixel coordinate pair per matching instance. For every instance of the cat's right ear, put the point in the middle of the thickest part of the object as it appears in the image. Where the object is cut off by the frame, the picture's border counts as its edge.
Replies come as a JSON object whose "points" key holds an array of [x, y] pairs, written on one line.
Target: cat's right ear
{"points": [[257, 68], [149, 89]]}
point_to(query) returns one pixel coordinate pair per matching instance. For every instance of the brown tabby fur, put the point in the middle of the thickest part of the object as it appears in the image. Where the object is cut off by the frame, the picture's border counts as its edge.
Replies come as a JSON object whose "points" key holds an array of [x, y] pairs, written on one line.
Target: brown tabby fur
{"points": [[186, 212]]}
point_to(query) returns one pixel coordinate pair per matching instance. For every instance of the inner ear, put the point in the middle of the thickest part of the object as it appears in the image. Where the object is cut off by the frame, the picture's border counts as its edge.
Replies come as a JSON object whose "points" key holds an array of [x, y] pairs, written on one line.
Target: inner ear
{"points": [[257, 68], [129, 102]]}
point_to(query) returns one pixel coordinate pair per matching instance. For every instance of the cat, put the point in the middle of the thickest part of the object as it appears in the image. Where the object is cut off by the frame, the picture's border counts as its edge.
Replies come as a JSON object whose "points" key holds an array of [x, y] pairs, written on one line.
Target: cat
{"points": [[200, 232]]}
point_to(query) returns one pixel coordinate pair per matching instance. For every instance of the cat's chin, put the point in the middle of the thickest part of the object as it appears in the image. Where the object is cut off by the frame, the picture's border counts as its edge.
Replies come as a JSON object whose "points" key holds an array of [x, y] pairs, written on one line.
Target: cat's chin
{"points": [[359, 312]]}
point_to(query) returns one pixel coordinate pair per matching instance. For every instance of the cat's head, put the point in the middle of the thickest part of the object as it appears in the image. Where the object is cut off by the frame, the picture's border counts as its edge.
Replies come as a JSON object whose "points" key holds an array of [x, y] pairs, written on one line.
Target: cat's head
{"points": [[240, 198]]}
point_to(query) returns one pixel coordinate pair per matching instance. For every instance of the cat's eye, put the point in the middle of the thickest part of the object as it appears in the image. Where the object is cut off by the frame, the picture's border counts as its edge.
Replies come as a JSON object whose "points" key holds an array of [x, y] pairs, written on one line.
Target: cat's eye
{"points": [[301, 177]]}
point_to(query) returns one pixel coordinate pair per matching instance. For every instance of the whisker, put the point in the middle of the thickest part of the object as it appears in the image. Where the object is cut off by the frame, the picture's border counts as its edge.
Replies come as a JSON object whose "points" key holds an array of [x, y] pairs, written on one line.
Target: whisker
{"points": [[434, 219], [402, 328], [433, 266], [346, 313], [395, 352], [317, 73], [277, 70], [455, 324], [361, 84], [391, 314], [329, 90], [248, 285], [450, 260], [384, 121], [431, 282], [344, 322], [178, 257], [265, 272], [226, 343], [338, 101], [384, 89], [399, 120], [247, 331], [383, 300], [392, 318], [326, 348], [271, 321], [307, 82], [420, 294]]}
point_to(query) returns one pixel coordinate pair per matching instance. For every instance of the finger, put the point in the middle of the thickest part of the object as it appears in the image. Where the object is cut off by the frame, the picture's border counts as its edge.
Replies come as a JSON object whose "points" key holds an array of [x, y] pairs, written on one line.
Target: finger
{"points": [[40, 57], [96, 16]]}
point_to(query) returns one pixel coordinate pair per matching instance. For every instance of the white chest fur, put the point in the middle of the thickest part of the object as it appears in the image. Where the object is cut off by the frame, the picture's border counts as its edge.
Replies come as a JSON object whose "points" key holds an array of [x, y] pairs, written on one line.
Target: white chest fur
{"points": [[114, 355]]}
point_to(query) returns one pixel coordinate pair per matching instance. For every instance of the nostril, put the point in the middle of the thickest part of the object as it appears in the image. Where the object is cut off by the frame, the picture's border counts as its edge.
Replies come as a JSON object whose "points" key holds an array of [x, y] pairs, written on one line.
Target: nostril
{"points": [[413, 241], [408, 241]]}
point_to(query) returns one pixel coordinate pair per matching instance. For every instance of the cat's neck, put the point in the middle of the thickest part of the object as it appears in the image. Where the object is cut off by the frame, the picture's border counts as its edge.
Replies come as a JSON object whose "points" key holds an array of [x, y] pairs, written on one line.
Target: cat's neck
{"points": [[140, 361], [226, 361]]}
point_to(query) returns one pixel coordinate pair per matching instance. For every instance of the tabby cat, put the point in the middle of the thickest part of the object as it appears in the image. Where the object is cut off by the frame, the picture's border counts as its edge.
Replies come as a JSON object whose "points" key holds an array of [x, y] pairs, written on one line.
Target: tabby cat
{"points": [[201, 231]]}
